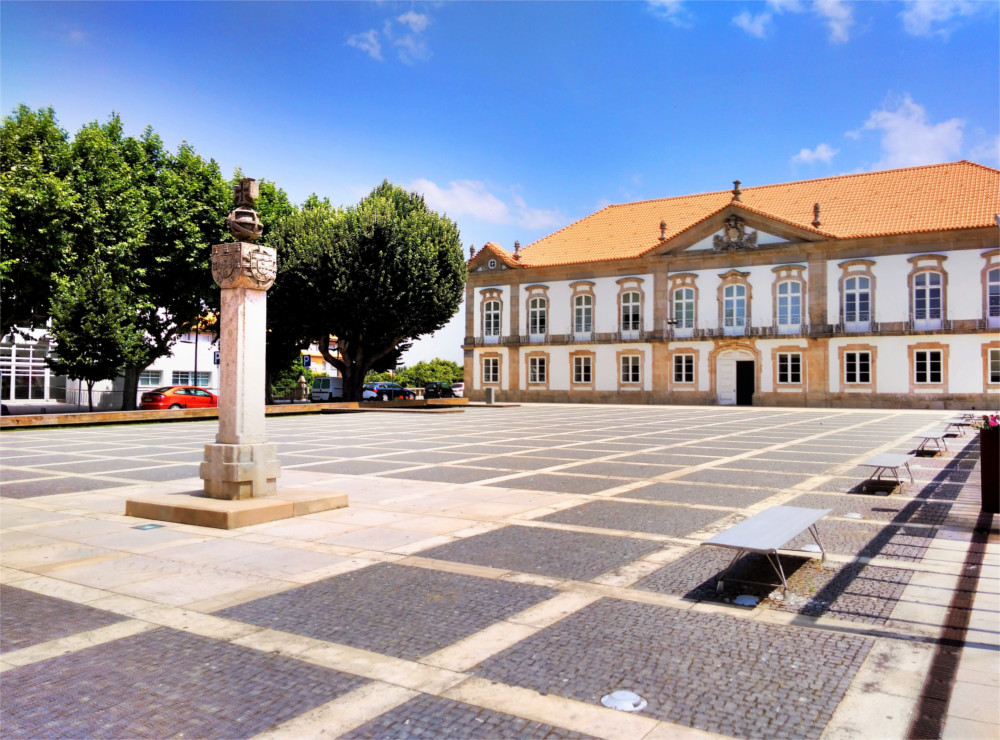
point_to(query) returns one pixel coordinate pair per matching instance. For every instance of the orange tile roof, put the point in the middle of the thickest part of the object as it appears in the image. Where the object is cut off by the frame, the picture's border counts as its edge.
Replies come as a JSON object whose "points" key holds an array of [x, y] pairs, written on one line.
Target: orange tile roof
{"points": [[956, 195]]}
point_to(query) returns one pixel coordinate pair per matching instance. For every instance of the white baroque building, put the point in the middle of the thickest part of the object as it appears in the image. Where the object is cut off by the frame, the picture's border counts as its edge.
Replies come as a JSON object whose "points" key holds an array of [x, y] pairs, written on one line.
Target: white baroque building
{"points": [[877, 289]]}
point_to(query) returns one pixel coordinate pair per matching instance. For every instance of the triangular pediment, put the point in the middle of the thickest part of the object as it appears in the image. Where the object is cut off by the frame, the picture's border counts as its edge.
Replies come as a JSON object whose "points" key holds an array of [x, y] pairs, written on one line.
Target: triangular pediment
{"points": [[735, 228], [492, 258]]}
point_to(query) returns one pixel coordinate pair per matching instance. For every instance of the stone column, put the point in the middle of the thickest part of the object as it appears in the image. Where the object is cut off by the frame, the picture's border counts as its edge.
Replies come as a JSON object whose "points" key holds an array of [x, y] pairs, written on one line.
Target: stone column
{"points": [[242, 464]]}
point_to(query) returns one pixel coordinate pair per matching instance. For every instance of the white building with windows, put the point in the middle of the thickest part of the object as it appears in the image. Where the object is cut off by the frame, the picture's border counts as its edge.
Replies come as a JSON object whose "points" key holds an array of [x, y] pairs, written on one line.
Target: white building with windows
{"points": [[875, 289]]}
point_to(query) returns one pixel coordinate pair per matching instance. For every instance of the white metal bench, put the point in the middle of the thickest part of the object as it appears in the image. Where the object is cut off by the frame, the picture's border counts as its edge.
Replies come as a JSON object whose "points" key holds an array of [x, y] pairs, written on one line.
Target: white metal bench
{"points": [[766, 533], [959, 424], [887, 462], [939, 439]]}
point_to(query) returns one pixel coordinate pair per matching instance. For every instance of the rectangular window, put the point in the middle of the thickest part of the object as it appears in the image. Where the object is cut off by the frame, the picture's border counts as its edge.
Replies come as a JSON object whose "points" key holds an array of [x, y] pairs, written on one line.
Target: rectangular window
{"points": [[857, 367], [928, 366], [186, 377], [683, 368], [582, 370], [151, 378], [491, 369], [630, 368], [789, 367], [995, 365], [536, 369]]}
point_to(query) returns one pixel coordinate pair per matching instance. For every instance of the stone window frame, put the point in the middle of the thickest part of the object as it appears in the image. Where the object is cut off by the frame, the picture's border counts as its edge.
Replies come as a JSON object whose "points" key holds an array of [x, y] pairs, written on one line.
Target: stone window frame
{"points": [[851, 269], [533, 385], [630, 385], [631, 285], [582, 288], [582, 354], [988, 349], [872, 351], [922, 264], [911, 353], [677, 282], [776, 355], [536, 292], [789, 274], [732, 278], [992, 258], [486, 296], [683, 385], [482, 369]]}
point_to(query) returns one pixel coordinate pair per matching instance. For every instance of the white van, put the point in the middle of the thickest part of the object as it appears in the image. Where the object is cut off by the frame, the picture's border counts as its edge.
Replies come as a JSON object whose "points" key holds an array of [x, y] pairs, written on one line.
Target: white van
{"points": [[327, 389]]}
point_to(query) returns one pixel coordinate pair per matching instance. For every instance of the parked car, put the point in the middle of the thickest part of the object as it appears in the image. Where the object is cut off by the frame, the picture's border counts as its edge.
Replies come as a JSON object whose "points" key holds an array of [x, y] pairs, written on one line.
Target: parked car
{"points": [[178, 397], [386, 392], [438, 389], [458, 389], [327, 389]]}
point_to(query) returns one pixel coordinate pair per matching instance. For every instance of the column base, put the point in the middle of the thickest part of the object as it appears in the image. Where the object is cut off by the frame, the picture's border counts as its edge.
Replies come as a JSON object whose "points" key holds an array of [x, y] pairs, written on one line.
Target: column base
{"points": [[240, 471]]}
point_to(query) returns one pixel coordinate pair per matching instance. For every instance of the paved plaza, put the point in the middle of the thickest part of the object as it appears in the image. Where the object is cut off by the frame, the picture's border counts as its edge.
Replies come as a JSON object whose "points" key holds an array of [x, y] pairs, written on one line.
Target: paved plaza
{"points": [[496, 573]]}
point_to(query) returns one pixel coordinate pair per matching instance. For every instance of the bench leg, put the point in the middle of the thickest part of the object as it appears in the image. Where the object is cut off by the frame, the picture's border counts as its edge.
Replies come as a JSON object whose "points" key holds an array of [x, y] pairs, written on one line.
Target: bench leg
{"points": [[815, 533], [722, 578], [776, 564]]}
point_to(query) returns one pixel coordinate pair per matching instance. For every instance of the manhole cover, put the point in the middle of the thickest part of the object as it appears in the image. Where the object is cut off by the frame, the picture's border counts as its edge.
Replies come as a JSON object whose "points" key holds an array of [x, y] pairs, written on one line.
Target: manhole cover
{"points": [[626, 701]]}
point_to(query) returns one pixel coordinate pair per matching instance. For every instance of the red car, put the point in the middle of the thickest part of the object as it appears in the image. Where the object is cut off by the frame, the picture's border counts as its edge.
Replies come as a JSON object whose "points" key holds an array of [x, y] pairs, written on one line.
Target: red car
{"points": [[178, 397]]}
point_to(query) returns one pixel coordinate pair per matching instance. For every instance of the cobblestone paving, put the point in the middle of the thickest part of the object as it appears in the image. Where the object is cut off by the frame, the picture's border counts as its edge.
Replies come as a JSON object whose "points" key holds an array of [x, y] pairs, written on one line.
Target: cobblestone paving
{"points": [[547, 552], [870, 540], [851, 592], [52, 486], [368, 608], [562, 483], [28, 618], [163, 683], [674, 521], [743, 478], [693, 493], [428, 717], [709, 671], [883, 509]]}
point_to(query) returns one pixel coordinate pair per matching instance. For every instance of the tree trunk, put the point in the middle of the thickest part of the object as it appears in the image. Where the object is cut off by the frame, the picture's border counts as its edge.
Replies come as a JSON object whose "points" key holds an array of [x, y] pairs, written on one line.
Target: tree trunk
{"points": [[130, 387], [90, 395]]}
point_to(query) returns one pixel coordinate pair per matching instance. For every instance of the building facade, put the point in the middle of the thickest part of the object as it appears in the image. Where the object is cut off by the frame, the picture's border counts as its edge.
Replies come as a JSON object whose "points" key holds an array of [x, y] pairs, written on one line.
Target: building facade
{"points": [[879, 289]]}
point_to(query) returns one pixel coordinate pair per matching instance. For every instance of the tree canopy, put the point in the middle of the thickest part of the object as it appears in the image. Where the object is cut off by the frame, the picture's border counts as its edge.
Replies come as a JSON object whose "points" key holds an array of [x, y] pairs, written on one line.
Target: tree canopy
{"points": [[374, 276]]}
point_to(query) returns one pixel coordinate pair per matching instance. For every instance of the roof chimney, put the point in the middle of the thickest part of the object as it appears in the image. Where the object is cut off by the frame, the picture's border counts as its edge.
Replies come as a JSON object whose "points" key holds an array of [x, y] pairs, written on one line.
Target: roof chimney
{"points": [[472, 251], [815, 221], [663, 230], [736, 191]]}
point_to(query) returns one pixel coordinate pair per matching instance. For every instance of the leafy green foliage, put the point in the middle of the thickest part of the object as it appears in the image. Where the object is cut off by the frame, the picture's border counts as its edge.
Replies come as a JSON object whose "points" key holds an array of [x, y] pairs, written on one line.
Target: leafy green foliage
{"points": [[290, 376]]}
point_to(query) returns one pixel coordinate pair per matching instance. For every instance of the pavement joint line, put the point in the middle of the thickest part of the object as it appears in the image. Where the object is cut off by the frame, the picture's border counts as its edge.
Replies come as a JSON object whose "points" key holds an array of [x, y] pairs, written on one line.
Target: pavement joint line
{"points": [[74, 643]]}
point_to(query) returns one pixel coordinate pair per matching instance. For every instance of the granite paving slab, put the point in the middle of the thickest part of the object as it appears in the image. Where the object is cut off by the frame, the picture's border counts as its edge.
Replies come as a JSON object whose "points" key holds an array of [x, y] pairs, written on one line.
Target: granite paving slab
{"points": [[58, 485], [697, 493], [743, 478], [162, 472], [391, 609], [561, 554], [520, 462], [666, 458], [431, 717], [28, 618], [674, 521], [562, 483], [881, 508], [449, 474], [712, 672], [163, 683], [8, 474], [621, 469], [356, 467]]}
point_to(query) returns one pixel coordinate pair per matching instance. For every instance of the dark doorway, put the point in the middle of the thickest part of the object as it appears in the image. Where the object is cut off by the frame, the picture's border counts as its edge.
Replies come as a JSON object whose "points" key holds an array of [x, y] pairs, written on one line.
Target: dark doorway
{"points": [[745, 376]]}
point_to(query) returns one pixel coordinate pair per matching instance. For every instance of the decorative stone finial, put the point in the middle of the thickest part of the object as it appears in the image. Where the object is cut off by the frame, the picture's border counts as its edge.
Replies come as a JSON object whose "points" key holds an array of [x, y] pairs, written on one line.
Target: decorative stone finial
{"points": [[815, 221], [736, 191], [663, 230], [517, 250], [472, 251], [244, 223]]}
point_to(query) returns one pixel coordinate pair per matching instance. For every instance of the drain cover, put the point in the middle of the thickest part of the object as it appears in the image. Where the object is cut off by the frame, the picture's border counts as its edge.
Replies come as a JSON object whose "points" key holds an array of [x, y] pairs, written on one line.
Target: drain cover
{"points": [[148, 526], [626, 701]]}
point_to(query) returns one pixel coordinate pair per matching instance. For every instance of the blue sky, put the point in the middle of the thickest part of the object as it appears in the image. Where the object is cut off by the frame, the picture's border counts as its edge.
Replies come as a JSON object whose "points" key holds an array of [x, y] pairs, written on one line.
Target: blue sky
{"points": [[517, 118]]}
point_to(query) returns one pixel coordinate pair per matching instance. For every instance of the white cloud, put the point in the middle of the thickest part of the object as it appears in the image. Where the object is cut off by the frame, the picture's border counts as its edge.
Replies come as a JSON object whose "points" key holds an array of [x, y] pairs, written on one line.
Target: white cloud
{"points": [[932, 17], [416, 21], [908, 139], [822, 153], [987, 151], [839, 18], [755, 25], [368, 42], [472, 198], [412, 48], [670, 10]]}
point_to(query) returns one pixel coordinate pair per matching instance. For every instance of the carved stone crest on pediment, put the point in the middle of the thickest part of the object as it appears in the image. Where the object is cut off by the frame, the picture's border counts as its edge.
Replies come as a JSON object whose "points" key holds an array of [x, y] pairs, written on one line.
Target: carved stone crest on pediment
{"points": [[734, 236]]}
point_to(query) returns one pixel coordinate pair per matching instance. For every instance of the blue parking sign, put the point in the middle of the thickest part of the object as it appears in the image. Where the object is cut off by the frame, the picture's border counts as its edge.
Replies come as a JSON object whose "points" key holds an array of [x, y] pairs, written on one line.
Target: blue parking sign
{"points": [[215, 357], [307, 360]]}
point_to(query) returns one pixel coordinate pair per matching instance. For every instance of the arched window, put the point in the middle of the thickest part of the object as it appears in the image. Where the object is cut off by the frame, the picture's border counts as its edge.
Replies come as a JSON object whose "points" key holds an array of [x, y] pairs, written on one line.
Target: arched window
{"points": [[857, 303], [684, 308], [491, 319], [927, 300], [583, 314], [537, 316], [789, 304], [630, 311], [734, 307]]}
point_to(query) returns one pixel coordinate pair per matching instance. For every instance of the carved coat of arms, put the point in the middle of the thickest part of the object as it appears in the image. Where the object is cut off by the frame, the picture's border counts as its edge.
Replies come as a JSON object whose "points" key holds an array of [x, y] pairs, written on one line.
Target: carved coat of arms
{"points": [[734, 235]]}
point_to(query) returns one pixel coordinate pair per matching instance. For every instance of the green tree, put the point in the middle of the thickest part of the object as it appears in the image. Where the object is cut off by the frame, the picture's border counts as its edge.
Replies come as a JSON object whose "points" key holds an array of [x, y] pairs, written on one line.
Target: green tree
{"points": [[375, 276], [92, 324], [37, 203], [419, 375]]}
